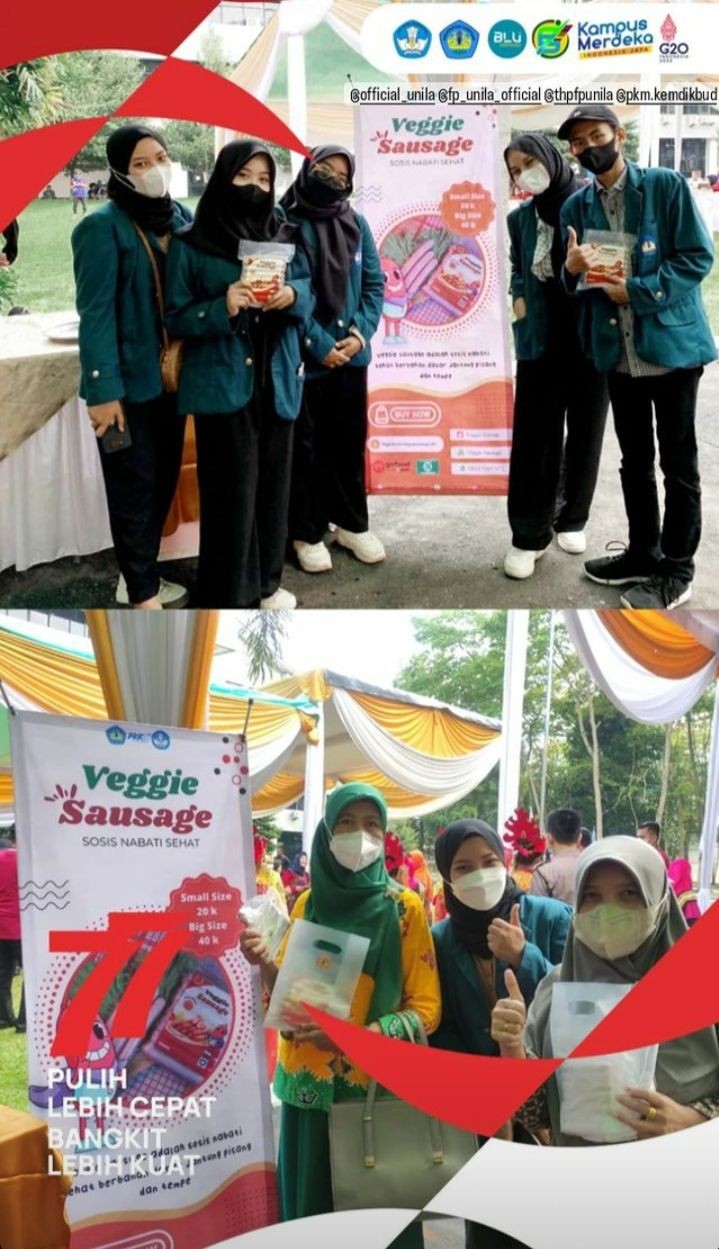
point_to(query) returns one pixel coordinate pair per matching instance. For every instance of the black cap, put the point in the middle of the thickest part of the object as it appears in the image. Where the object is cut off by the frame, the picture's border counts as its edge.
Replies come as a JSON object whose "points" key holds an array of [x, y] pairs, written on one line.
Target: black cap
{"points": [[588, 112]]}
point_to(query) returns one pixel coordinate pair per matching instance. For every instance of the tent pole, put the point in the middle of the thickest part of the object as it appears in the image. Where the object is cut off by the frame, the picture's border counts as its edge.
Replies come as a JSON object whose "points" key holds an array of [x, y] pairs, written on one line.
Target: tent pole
{"points": [[515, 662], [711, 813], [314, 803], [547, 713], [297, 94]]}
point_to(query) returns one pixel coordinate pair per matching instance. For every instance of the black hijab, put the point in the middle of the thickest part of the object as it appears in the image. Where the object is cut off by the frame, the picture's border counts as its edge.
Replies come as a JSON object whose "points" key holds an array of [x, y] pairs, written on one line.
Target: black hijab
{"points": [[471, 927], [336, 224], [223, 217], [150, 214], [563, 183]]}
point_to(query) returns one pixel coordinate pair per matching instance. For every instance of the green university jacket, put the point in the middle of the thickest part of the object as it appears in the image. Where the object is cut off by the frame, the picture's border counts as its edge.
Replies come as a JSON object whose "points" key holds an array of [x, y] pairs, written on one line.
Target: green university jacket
{"points": [[120, 329], [218, 371], [466, 1016], [672, 256], [363, 306]]}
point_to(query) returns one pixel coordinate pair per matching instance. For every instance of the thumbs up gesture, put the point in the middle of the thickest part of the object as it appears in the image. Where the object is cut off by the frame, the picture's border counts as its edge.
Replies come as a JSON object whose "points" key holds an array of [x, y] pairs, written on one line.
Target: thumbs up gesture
{"points": [[580, 257], [508, 1019], [507, 940]]}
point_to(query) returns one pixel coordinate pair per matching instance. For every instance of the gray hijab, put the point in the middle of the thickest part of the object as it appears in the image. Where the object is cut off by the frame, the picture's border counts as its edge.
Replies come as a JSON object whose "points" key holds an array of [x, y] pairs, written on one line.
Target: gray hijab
{"points": [[688, 1067]]}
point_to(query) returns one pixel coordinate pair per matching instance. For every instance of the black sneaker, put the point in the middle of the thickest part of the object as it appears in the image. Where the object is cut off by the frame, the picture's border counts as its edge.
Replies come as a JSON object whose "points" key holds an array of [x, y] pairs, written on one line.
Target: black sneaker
{"points": [[662, 593], [621, 569]]}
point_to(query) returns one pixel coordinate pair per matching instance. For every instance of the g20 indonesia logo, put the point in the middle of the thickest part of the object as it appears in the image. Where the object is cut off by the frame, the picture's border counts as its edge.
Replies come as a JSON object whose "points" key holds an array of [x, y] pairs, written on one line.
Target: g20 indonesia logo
{"points": [[669, 48], [507, 38], [412, 40], [551, 39], [459, 40]]}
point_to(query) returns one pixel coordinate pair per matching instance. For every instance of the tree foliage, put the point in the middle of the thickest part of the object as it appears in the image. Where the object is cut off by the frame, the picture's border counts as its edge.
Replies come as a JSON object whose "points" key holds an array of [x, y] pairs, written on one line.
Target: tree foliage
{"points": [[615, 771], [30, 96], [94, 84]]}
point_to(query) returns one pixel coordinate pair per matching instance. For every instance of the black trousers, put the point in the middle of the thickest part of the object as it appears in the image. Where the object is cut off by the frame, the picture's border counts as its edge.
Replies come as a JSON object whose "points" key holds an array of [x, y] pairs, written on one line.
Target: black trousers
{"points": [[140, 484], [669, 403], [10, 956], [552, 479], [328, 472], [244, 461]]}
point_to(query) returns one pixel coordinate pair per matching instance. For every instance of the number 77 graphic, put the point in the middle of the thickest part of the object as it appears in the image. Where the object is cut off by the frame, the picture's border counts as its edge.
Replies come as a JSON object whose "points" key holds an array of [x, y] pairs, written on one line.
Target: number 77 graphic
{"points": [[118, 943]]}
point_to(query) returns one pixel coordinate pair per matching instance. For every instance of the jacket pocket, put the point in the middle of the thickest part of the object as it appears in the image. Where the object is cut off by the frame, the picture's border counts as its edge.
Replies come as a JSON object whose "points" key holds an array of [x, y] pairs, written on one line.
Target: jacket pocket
{"points": [[682, 313]]}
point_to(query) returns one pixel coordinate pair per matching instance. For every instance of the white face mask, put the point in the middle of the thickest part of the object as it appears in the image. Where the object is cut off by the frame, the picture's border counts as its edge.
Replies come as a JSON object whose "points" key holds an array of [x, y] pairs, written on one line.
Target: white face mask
{"points": [[535, 179], [154, 183], [481, 890], [356, 851], [612, 931]]}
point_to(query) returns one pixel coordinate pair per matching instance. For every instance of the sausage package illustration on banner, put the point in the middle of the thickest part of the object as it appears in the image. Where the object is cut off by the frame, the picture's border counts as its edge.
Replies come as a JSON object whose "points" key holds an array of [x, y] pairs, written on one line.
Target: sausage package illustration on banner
{"points": [[146, 1043]]}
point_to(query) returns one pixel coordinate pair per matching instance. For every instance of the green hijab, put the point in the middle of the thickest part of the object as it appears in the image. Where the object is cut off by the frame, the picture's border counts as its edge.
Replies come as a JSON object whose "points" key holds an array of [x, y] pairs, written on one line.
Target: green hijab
{"points": [[362, 902]]}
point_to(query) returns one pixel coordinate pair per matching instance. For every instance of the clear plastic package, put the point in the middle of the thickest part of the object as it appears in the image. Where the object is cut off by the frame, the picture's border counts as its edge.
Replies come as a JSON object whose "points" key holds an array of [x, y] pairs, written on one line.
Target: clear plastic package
{"points": [[264, 267], [614, 259], [588, 1087], [263, 914], [321, 967]]}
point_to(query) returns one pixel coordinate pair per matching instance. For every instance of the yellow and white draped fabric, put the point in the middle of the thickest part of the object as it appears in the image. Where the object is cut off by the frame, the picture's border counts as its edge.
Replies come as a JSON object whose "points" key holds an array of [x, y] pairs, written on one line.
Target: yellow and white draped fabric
{"points": [[305, 733], [654, 667]]}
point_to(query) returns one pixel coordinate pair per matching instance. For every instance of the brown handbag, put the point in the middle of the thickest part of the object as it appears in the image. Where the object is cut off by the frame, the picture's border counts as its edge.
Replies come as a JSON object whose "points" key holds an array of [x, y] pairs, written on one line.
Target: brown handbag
{"points": [[172, 351]]}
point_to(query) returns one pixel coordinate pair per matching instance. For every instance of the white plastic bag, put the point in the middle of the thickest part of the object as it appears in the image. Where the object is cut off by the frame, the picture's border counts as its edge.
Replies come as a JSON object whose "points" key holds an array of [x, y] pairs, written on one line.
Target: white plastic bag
{"points": [[263, 913], [588, 1087], [321, 967]]}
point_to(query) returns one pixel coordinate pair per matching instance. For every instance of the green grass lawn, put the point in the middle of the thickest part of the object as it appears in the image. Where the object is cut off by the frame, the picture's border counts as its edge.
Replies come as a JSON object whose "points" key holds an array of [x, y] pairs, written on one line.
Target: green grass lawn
{"points": [[43, 268], [44, 263], [13, 1061]]}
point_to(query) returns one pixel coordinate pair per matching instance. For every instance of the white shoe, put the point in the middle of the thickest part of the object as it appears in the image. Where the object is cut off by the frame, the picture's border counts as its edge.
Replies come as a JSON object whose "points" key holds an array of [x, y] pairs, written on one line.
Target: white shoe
{"points": [[573, 543], [170, 594], [366, 547], [281, 600], [520, 564], [313, 556]]}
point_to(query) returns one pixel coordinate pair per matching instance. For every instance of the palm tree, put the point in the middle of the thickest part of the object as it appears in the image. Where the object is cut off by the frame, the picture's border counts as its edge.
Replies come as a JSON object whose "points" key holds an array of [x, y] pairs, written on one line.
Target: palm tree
{"points": [[29, 96], [262, 637]]}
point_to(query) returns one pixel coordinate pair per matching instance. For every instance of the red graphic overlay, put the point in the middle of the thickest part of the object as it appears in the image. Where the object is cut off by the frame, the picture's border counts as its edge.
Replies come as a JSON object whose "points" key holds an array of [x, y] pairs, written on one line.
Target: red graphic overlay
{"points": [[119, 942], [480, 1094]]}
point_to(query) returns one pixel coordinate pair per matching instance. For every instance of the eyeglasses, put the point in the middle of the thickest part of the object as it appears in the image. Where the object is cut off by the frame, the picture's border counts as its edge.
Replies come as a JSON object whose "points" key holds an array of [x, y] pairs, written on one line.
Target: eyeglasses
{"points": [[326, 171]]}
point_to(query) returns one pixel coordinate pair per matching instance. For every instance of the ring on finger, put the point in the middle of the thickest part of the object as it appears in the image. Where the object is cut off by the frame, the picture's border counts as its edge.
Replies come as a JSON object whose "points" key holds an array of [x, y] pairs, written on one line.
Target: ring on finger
{"points": [[650, 1115]]}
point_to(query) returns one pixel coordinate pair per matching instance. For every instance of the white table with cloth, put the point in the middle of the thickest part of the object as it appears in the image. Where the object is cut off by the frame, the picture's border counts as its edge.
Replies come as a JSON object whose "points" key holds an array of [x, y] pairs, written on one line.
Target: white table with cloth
{"points": [[52, 496]]}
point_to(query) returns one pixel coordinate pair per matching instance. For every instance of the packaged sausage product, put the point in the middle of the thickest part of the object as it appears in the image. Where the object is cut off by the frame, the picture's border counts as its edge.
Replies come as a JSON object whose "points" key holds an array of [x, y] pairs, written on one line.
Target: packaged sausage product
{"points": [[194, 1031], [264, 267], [614, 258]]}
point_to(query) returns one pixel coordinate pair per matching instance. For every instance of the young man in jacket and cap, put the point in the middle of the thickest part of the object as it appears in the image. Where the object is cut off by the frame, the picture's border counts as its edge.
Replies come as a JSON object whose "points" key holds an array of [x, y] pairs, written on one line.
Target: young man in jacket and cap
{"points": [[650, 334]]}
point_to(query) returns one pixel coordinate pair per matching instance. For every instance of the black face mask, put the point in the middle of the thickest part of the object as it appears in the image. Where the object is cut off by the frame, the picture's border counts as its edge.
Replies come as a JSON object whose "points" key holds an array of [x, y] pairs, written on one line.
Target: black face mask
{"points": [[249, 200], [599, 159], [325, 188]]}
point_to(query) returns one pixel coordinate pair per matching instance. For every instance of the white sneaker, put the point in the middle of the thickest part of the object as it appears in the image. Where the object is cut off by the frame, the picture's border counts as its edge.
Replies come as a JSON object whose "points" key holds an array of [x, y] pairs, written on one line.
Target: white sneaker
{"points": [[281, 600], [520, 564], [313, 556], [573, 543], [366, 547], [170, 594]]}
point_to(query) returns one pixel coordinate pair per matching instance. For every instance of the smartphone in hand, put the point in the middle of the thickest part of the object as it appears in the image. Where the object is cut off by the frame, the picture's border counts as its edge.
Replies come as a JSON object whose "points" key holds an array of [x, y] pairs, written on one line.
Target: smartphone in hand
{"points": [[115, 439]]}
